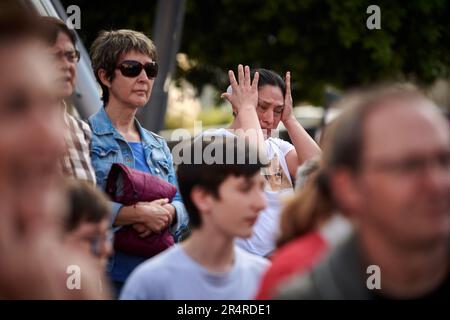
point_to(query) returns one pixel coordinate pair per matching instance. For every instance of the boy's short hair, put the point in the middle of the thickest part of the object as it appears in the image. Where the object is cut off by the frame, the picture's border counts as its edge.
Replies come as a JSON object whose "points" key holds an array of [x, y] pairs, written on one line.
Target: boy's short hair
{"points": [[232, 157], [86, 204], [110, 45]]}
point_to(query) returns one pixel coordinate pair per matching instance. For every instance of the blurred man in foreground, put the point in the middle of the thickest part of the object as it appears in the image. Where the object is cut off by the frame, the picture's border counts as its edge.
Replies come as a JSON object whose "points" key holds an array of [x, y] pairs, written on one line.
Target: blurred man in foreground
{"points": [[33, 261], [387, 167]]}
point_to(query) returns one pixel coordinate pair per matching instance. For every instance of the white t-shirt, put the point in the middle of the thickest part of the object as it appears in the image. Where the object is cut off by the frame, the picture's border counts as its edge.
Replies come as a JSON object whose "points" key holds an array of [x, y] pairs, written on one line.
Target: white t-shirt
{"points": [[278, 185], [174, 275]]}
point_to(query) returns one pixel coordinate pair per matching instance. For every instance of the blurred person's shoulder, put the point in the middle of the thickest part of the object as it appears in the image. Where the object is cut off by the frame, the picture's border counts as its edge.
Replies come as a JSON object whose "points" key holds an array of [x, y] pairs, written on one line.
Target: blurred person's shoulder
{"points": [[300, 254], [338, 276], [251, 261], [283, 145], [79, 125], [73, 117], [315, 284], [300, 287]]}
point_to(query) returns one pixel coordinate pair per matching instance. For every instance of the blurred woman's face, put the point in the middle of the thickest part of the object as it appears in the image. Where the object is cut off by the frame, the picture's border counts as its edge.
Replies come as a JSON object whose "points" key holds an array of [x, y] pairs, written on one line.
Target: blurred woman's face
{"points": [[31, 131], [131, 91], [66, 67]]}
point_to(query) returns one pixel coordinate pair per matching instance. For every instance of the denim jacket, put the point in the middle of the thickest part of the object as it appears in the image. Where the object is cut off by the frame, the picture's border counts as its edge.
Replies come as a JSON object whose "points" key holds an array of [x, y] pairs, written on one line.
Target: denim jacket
{"points": [[108, 146]]}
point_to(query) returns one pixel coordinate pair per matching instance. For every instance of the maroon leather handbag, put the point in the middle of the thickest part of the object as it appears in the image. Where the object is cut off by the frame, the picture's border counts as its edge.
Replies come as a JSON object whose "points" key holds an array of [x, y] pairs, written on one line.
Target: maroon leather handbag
{"points": [[129, 186]]}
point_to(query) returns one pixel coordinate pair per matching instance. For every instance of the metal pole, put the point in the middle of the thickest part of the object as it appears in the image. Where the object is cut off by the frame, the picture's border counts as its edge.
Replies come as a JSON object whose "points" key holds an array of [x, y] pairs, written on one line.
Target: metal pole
{"points": [[167, 35]]}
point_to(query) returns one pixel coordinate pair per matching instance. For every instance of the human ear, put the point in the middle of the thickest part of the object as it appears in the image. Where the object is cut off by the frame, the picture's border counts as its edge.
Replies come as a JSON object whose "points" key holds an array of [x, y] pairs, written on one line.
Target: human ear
{"points": [[201, 199], [346, 191], [103, 78]]}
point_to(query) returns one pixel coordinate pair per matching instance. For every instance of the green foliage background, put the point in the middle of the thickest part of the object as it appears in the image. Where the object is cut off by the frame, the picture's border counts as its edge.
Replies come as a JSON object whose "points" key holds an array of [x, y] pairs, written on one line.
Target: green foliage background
{"points": [[320, 41]]}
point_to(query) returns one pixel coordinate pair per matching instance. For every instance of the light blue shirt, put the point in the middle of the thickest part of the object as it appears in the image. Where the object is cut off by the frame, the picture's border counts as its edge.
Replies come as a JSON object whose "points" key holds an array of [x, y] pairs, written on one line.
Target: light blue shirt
{"points": [[174, 275], [139, 157]]}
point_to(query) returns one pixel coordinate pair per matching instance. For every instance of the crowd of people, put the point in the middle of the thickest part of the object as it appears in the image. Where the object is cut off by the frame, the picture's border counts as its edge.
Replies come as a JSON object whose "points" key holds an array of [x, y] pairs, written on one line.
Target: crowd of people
{"points": [[245, 215]]}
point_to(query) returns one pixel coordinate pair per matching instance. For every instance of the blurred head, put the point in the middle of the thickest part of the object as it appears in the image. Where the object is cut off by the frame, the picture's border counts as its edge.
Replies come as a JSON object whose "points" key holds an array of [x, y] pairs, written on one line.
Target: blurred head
{"points": [[124, 63], [387, 165], [61, 41], [226, 196], [87, 224], [30, 126]]}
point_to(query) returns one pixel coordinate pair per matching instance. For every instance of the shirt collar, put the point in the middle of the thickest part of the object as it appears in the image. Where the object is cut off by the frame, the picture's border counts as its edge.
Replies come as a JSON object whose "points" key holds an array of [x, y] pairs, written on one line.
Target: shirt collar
{"points": [[102, 125]]}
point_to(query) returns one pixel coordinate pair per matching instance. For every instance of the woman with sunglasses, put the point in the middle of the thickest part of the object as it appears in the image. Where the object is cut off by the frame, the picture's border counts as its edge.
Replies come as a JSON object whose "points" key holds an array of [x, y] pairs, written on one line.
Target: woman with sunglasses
{"points": [[124, 62]]}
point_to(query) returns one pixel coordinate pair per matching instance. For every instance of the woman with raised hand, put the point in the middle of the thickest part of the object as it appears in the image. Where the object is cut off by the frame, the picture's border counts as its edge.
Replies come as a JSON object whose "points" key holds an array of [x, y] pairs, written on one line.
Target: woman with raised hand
{"points": [[261, 99]]}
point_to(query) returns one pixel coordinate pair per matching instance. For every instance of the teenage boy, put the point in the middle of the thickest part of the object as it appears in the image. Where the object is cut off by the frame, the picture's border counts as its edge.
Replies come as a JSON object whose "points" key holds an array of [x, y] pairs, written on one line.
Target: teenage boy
{"points": [[223, 199]]}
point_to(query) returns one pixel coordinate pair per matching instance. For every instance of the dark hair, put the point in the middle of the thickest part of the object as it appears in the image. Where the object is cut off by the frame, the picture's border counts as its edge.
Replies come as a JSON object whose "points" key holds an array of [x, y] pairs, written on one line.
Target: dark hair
{"points": [[269, 77], [343, 148], [232, 157], [18, 22], [53, 26], [86, 203]]}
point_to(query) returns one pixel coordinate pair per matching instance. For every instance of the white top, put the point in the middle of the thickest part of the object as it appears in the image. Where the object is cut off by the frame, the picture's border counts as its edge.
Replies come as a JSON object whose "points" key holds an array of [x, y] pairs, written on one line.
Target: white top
{"points": [[278, 185], [174, 275]]}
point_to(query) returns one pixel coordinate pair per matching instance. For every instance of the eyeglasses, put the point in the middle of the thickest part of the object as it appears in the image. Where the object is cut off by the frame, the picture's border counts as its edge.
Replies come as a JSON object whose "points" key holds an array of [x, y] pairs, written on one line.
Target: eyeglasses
{"points": [[132, 68], [71, 56], [98, 241], [414, 165]]}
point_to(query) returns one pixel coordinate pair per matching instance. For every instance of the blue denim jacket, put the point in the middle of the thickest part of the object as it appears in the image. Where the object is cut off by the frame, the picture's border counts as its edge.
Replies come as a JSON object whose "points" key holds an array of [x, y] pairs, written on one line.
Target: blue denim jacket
{"points": [[108, 146]]}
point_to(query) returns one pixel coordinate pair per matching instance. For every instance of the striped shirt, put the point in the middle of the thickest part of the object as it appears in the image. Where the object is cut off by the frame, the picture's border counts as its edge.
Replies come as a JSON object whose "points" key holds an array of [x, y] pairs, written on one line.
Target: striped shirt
{"points": [[76, 163]]}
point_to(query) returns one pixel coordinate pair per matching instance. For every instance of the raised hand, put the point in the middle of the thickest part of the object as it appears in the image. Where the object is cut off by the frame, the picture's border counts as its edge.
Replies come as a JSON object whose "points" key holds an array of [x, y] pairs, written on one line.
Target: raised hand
{"points": [[288, 108], [245, 92]]}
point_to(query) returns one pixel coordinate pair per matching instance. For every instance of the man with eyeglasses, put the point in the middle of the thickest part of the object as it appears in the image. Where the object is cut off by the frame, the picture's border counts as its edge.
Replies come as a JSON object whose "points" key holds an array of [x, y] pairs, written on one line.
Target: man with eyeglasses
{"points": [[76, 162], [386, 166]]}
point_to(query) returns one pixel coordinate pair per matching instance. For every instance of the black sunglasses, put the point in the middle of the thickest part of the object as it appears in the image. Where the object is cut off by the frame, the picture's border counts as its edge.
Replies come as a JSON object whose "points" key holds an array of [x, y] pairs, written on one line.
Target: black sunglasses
{"points": [[132, 68]]}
